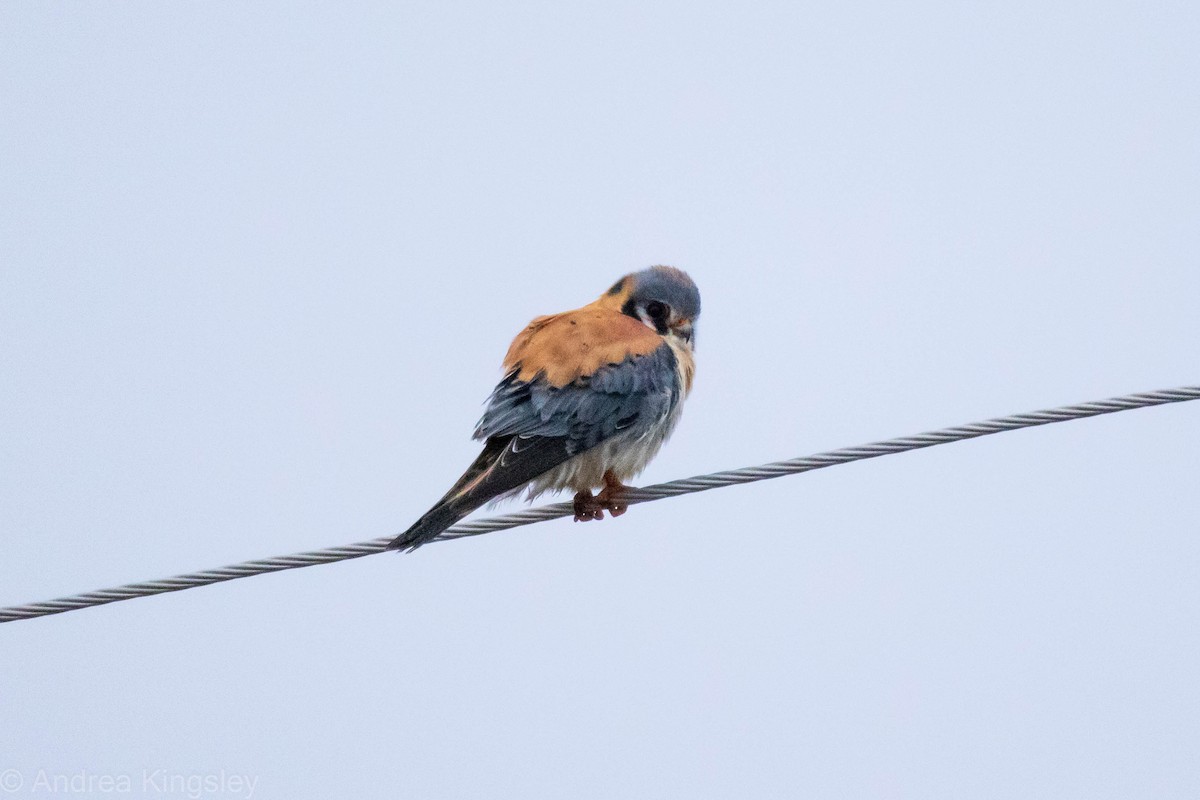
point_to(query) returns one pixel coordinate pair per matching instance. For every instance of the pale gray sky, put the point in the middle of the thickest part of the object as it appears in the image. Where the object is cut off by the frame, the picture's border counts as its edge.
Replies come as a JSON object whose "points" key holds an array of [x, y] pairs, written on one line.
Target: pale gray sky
{"points": [[259, 264]]}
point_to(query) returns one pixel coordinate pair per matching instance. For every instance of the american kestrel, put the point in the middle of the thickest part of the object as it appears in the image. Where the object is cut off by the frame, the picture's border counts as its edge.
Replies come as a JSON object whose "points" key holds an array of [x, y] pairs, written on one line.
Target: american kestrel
{"points": [[587, 399]]}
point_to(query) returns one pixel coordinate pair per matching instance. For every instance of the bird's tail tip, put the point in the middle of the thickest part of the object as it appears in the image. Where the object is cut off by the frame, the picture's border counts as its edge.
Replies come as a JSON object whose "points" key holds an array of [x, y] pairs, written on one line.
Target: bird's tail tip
{"points": [[427, 528]]}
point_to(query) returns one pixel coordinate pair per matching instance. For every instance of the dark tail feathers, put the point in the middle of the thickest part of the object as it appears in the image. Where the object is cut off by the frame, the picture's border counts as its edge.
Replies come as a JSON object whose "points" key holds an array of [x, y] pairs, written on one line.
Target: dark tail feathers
{"points": [[433, 522]]}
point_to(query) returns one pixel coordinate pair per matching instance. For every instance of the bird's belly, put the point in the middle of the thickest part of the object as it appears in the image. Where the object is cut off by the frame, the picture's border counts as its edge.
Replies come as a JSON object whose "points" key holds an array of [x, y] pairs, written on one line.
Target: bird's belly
{"points": [[625, 455]]}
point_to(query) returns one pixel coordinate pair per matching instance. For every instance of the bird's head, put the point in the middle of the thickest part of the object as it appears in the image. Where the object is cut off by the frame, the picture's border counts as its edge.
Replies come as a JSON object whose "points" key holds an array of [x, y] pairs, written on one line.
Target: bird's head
{"points": [[664, 299]]}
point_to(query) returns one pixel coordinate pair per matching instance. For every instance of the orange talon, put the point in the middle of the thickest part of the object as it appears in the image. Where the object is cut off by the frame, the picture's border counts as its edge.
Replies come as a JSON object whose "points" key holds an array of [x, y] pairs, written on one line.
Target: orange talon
{"points": [[587, 508], [610, 495]]}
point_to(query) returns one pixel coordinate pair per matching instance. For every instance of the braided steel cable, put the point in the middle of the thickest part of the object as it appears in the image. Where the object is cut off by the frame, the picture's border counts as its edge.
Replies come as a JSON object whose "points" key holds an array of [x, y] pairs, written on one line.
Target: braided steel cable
{"points": [[699, 483]]}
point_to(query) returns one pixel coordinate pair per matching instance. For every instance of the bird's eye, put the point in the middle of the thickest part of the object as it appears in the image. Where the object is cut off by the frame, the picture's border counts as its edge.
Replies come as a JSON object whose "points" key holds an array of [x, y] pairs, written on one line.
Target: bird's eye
{"points": [[656, 310]]}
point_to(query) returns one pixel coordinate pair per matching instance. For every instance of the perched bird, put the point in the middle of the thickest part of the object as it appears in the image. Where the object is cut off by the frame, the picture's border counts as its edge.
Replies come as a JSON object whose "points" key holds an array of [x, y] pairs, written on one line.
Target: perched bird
{"points": [[587, 399]]}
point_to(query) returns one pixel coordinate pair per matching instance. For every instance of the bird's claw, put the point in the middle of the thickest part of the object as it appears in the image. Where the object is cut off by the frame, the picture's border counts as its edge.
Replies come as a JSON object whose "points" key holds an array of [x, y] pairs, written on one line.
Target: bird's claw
{"points": [[588, 508], [610, 500]]}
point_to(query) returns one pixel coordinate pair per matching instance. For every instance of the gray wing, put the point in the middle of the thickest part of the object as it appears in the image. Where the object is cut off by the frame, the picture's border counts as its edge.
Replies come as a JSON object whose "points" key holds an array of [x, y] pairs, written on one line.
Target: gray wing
{"points": [[531, 427], [577, 417]]}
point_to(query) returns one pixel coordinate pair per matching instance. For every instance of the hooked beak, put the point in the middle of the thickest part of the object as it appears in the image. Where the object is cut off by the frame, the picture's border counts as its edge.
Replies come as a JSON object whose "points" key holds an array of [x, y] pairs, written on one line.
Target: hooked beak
{"points": [[685, 329]]}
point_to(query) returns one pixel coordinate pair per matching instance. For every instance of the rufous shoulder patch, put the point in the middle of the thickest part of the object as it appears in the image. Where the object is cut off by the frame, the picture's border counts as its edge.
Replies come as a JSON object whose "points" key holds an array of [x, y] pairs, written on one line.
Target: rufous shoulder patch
{"points": [[565, 347]]}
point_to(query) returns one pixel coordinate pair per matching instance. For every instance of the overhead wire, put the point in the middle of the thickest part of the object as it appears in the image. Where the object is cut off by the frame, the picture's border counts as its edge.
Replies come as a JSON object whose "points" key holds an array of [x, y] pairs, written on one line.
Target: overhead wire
{"points": [[699, 483]]}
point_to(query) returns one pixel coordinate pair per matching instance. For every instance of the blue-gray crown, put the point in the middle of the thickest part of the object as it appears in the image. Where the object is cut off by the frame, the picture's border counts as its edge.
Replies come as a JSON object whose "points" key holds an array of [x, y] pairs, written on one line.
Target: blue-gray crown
{"points": [[667, 285]]}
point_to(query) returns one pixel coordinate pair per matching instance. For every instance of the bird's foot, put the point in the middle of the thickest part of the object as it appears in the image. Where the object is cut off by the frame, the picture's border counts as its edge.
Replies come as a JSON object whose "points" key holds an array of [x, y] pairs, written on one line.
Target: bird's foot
{"points": [[612, 495], [610, 499], [587, 507]]}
